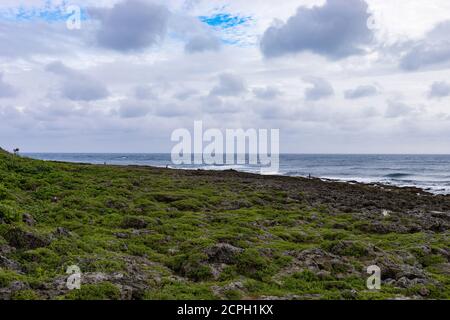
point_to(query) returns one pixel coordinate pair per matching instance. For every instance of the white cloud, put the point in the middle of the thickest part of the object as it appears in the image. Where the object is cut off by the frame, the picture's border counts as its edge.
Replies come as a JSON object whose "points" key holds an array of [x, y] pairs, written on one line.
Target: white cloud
{"points": [[77, 86], [120, 87]]}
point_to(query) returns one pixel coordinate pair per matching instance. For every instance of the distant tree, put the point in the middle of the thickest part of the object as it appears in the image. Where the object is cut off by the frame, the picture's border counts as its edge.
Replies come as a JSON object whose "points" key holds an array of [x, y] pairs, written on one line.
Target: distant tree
{"points": [[16, 151]]}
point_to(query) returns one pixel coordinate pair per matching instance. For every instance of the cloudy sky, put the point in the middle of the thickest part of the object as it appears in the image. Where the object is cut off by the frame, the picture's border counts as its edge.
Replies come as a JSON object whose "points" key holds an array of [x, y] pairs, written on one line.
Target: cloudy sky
{"points": [[335, 76]]}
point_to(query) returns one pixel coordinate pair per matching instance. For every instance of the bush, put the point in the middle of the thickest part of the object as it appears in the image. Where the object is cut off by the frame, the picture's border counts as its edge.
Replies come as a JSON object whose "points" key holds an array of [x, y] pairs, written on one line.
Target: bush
{"points": [[4, 193], [252, 264], [101, 291], [188, 205], [25, 295], [8, 213], [192, 266]]}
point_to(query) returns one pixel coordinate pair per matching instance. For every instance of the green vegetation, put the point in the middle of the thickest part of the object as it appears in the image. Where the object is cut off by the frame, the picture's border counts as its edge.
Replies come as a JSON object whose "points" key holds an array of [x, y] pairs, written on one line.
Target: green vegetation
{"points": [[146, 233]]}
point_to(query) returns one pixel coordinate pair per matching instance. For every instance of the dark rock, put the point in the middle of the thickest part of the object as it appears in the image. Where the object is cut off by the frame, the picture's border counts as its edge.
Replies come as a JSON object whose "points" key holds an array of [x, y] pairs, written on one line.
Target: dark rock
{"points": [[122, 235], [9, 264], [28, 219], [62, 232], [18, 286], [235, 204], [22, 239], [352, 248], [383, 228], [223, 253], [134, 223], [5, 249], [317, 260], [398, 270], [166, 198], [442, 252], [236, 286]]}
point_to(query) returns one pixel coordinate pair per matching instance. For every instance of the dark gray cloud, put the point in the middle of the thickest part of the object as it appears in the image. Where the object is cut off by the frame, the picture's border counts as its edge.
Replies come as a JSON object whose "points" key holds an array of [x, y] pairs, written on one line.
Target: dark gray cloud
{"points": [[268, 93], [439, 89], [131, 25], [229, 85], [361, 92], [84, 90], [201, 43], [6, 90], [320, 89], [77, 86], [433, 49], [337, 29]]}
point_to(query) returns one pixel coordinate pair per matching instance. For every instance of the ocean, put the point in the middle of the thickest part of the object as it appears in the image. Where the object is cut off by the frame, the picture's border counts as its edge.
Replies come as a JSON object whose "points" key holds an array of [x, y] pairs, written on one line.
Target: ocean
{"points": [[429, 172]]}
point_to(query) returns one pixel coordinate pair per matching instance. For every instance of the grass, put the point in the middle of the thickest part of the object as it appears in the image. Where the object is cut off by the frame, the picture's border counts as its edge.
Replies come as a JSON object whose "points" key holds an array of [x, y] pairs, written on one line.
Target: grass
{"points": [[154, 227]]}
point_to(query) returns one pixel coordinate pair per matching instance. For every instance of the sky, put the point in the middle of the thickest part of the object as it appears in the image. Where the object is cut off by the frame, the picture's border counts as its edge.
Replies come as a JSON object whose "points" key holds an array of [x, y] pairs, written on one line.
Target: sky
{"points": [[335, 76]]}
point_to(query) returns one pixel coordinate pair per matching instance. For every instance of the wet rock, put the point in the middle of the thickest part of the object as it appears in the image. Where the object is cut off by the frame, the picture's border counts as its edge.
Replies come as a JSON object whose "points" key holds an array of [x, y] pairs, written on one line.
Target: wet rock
{"points": [[223, 253], [22, 239]]}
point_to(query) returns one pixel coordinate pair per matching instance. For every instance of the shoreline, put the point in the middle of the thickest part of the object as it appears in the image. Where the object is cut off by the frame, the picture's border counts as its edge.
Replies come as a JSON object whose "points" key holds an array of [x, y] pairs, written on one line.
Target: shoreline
{"points": [[387, 186]]}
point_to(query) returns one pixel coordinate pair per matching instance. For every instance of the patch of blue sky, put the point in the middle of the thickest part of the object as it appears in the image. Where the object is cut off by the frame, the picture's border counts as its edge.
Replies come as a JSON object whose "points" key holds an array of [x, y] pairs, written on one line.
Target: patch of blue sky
{"points": [[224, 20], [48, 13], [232, 29]]}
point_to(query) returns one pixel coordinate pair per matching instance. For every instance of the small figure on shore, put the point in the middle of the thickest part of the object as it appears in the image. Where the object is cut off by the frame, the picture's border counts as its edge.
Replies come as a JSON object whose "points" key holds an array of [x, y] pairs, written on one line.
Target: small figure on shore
{"points": [[309, 176]]}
